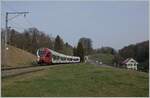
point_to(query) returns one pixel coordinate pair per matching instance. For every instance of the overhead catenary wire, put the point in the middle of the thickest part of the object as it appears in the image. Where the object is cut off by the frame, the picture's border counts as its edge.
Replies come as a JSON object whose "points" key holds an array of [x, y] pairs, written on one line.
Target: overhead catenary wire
{"points": [[28, 21], [12, 23], [14, 10], [16, 13], [13, 17], [18, 24]]}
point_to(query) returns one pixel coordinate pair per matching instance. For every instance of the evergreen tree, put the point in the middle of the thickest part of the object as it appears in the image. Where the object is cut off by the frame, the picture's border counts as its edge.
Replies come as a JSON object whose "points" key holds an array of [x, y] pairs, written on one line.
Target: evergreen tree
{"points": [[75, 51], [87, 45], [80, 51], [58, 46]]}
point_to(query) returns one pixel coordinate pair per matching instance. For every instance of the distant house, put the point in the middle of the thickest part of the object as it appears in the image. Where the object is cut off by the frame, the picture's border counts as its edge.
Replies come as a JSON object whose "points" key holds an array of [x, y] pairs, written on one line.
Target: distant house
{"points": [[130, 63], [86, 58]]}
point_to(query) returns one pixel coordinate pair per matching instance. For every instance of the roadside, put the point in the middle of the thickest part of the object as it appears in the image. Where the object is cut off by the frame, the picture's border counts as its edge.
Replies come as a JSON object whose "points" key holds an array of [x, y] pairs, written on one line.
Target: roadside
{"points": [[96, 63]]}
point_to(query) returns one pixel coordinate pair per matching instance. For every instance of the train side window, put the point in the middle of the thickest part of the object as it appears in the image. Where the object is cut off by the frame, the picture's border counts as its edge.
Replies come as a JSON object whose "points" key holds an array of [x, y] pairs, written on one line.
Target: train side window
{"points": [[57, 57], [61, 58], [54, 57]]}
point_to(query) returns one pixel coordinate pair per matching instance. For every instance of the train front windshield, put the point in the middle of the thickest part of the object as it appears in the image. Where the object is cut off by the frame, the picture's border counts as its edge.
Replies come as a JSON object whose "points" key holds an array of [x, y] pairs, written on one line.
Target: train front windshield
{"points": [[41, 53]]}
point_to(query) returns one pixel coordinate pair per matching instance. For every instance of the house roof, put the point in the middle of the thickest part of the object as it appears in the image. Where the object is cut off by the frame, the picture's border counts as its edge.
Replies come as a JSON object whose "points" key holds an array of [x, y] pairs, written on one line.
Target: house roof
{"points": [[125, 61]]}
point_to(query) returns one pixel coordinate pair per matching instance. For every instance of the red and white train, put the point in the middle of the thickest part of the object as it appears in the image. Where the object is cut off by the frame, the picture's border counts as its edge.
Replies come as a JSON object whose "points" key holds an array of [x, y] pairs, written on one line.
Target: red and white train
{"points": [[48, 56]]}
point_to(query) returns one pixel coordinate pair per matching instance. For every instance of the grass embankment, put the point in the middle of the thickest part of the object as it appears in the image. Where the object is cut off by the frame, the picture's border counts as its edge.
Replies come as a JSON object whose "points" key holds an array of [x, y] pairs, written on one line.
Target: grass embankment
{"points": [[78, 80], [104, 57], [16, 57]]}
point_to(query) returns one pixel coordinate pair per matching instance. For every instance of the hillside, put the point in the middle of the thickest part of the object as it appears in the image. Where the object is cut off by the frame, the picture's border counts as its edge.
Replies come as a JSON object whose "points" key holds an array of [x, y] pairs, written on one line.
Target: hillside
{"points": [[17, 57], [78, 80], [104, 57]]}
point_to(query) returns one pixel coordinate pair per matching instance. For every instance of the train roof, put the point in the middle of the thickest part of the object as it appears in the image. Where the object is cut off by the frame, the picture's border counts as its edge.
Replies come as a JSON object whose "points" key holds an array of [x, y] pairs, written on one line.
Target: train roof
{"points": [[62, 55]]}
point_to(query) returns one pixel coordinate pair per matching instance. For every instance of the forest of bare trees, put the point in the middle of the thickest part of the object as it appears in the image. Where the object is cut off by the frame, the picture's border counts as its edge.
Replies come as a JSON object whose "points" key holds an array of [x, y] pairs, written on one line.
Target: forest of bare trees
{"points": [[32, 39]]}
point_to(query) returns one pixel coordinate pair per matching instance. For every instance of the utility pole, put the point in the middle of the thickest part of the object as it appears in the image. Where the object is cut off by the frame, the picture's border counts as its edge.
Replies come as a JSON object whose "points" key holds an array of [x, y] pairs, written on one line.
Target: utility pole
{"points": [[7, 20]]}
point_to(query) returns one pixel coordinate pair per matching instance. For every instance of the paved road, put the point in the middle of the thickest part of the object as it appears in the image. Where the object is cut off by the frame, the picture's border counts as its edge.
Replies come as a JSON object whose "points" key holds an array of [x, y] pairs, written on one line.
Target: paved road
{"points": [[14, 72], [97, 63]]}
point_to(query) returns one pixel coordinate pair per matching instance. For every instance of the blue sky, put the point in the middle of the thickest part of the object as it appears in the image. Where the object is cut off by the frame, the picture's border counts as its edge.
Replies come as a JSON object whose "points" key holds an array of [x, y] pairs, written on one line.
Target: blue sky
{"points": [[107, 23]]}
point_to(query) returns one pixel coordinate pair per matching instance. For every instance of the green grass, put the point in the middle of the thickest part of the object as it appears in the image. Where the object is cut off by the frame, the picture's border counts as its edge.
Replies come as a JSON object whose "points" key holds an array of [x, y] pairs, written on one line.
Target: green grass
{"points": [[78, 80], [104, 57]]}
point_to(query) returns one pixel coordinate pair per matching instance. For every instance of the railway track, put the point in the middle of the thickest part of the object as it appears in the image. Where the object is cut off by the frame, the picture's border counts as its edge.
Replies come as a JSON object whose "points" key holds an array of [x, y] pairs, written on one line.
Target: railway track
{"points": [[11, 68], [23, 70]]}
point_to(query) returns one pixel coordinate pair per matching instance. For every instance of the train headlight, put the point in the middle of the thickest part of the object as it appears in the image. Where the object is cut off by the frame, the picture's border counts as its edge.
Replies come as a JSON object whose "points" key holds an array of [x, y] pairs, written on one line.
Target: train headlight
{"points": [[38, 58]]}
